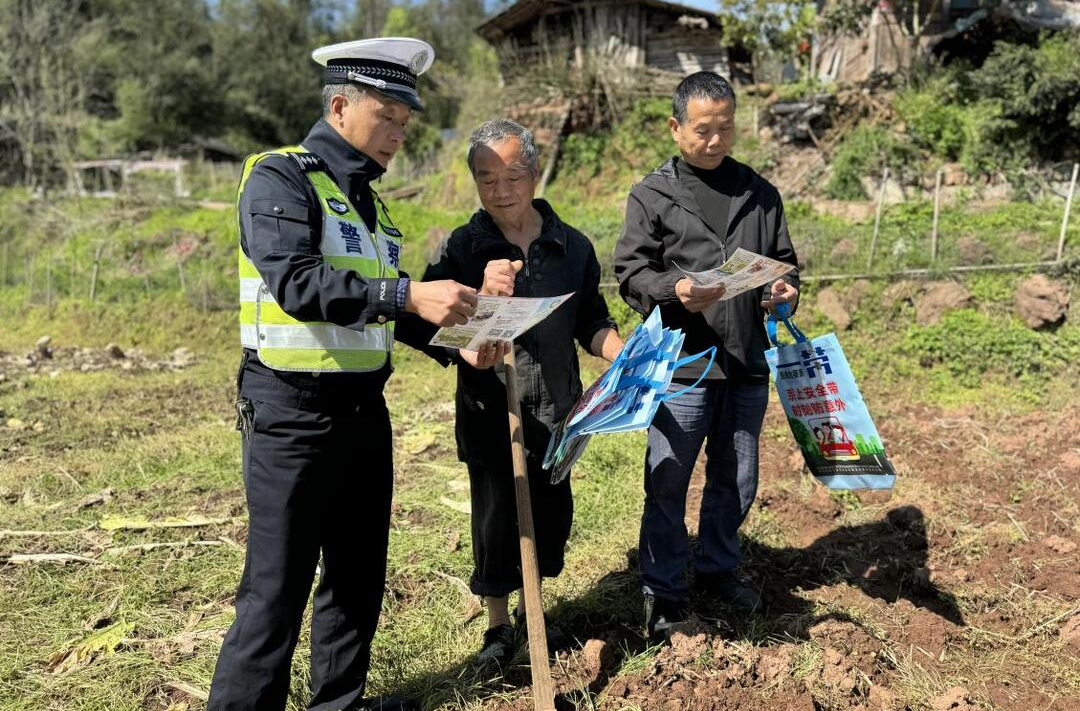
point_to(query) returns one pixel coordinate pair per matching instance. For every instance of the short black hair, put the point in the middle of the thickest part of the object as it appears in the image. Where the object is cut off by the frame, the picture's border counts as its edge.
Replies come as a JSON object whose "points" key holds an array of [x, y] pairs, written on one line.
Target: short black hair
{"points": [[700, 85]]}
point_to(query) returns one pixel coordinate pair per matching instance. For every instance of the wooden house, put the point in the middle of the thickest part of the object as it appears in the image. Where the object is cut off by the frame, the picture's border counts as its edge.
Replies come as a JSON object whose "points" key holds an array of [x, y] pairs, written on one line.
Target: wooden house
{"points": [[617, 34]]}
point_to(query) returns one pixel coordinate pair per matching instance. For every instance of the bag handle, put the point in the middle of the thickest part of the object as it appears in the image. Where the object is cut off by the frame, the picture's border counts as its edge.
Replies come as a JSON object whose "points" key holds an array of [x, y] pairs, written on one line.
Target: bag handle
{"points": [[782, 312], [636, 381], [710, 351]]}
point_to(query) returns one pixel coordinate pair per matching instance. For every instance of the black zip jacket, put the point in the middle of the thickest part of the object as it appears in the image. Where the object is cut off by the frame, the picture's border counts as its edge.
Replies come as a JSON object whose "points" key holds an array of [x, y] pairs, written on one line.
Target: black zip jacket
{"points": [[665, 224], [560, 260]]}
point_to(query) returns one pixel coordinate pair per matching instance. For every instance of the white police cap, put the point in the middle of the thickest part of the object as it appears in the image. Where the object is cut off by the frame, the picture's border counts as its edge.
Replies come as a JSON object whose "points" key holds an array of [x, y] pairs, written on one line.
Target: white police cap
{"points": [[388, 64]]}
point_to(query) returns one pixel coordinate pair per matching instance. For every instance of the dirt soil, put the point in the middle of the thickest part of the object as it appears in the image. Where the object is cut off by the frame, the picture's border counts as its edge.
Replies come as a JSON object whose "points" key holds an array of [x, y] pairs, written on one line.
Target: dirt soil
{"points": [[968, 570]]}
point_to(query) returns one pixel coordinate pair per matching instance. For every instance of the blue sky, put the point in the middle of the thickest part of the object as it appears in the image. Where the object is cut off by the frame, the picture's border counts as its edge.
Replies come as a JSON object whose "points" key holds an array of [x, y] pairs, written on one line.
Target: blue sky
{"points": [[703, 4]]}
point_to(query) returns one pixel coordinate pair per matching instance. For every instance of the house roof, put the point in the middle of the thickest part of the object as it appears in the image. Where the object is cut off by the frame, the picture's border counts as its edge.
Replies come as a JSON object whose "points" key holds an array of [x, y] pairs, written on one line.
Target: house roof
{"points": [[1043, 14], [526, 11]]}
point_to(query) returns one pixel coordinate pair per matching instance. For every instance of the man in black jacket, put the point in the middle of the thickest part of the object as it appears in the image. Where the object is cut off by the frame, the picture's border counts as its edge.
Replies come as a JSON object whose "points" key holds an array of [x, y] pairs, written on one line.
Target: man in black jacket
{"points": [[693, 211]]}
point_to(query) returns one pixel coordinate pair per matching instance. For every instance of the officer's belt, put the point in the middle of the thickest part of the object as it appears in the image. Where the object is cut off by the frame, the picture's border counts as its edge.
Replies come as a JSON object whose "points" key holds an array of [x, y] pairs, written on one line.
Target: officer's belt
{"points": [[327, 392]]}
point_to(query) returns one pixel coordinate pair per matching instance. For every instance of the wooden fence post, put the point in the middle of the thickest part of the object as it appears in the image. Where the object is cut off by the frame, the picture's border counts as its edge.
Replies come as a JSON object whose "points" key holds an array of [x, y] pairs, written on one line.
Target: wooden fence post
{"points": [[48, 285], [543, 689], [1065, 217], [937, 213], [179, 265], [877, 217], [29, 279], [96, 269], [73, 277]]}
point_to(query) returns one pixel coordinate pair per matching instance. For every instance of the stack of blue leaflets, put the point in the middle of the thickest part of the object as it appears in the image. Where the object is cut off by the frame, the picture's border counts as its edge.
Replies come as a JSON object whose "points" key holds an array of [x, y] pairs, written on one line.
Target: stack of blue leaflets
{"points": [[625, 397]]}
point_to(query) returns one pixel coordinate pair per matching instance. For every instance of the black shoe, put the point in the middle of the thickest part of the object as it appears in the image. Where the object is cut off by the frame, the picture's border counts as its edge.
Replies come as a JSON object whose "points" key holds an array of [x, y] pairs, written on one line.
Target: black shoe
{"points": [[557, 637], [498, 647], [385, 703], [726, 588], [661, 615]]}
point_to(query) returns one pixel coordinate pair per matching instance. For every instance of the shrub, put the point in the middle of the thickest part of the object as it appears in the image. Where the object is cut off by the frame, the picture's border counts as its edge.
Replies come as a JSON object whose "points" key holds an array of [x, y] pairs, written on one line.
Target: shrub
{"points": [[1021, 106], [642, 140], [866, 151], [1034, 92], [970, 345], [636, 145], [424, 140], [583, 154], [934, 117]]}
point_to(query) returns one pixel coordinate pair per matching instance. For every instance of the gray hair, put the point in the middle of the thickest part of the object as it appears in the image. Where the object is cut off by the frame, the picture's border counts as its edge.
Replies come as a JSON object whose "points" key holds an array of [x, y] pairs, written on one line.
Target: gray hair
{"points": [[350, 91], [499, 130]]}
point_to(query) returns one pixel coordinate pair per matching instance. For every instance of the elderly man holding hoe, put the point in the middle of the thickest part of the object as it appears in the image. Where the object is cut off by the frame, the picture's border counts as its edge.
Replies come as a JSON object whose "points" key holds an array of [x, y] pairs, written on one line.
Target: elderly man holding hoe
{"points": [[518, 246]]}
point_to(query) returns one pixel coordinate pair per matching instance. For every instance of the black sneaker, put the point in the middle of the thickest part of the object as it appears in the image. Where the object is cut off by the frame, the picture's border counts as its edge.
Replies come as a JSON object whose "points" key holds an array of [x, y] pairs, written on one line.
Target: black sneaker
{"points": [[557, 637], [385, 703], [661, 615], [726, 588], [498, 647]]}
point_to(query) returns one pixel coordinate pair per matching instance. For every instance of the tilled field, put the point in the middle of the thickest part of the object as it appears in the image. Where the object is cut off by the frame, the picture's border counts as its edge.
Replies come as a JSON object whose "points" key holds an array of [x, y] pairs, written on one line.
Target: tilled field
{"points": [[959, 591]]}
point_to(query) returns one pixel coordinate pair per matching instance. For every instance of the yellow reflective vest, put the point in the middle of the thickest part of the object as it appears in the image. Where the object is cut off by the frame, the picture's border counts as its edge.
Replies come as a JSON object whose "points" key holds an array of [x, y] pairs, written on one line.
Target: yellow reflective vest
{"points": [[285, 343]]}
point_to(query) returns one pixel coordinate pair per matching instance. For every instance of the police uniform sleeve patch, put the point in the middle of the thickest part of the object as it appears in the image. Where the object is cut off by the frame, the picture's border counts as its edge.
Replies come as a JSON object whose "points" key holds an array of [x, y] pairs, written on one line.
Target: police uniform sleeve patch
{"points": [[389, 229], [308, 162], [337, 206]]}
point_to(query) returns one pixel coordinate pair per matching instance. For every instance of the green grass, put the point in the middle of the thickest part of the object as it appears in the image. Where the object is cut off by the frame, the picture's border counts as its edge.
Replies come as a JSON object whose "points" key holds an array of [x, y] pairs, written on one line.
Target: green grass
{"points": [[164, 444]]}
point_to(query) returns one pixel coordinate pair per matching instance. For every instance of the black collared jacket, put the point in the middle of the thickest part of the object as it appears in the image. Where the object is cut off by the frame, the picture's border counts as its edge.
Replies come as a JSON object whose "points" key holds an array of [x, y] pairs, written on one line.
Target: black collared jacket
{"points": [[280, 230], [665, 226], [560, 260]]}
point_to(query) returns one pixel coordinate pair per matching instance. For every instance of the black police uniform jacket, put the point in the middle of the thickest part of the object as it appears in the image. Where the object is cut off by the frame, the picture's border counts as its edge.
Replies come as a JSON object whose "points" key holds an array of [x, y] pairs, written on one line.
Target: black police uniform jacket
{"points": [[280, 229]]}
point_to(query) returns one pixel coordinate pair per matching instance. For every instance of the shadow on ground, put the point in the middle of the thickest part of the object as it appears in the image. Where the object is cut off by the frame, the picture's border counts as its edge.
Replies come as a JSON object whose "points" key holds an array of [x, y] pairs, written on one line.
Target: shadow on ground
{"points": [[885, 559]]}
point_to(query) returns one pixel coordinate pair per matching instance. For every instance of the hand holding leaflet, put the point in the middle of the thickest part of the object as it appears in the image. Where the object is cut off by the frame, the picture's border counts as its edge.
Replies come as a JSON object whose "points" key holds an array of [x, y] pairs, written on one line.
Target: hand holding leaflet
{"points": [[498, 318], [742, 272]]}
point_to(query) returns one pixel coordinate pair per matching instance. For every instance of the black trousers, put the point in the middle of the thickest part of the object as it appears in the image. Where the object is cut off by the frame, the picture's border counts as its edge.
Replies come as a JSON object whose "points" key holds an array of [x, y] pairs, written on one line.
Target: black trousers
{"points": [[319, 476], [495, 542]]}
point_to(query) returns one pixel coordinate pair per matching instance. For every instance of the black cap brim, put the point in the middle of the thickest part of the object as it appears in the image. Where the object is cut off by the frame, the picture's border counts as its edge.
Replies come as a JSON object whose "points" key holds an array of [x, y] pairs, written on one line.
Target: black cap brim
{"points": [[405, 96]]}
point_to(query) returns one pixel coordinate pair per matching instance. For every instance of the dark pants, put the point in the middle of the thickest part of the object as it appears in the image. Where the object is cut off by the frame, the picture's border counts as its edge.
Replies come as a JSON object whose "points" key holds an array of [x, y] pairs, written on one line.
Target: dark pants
{"points": [[319, 479], [727, 417], [495, 541]]}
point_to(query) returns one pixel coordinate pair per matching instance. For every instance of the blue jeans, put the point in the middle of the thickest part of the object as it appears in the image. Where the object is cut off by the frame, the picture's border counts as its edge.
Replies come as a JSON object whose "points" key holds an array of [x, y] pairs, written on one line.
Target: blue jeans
{"points": [[728, 417]]}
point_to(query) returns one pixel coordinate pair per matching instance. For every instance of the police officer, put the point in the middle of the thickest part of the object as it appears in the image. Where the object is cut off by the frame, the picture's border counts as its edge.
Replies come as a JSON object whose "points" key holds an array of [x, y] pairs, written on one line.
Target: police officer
{"points": [[322, 300]]}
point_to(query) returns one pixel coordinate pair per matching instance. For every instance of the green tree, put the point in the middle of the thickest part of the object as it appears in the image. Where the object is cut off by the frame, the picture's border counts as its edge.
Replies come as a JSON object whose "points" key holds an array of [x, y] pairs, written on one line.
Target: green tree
{"points": [[1034, 93], [271, 86], [157, 88], [42, 90], [465, 68], [803, 436], [370, 18], [771, 30], [400, 22]]}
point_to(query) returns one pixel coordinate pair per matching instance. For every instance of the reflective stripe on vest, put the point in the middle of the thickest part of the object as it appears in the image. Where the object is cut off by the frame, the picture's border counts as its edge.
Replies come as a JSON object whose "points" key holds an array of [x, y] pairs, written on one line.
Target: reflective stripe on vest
{"points": [[286, 343]]}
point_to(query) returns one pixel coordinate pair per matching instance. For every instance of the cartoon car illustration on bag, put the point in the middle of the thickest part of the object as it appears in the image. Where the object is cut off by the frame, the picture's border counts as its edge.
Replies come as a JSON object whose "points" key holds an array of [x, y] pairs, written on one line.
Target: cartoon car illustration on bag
{"points": [[833, 439]]}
